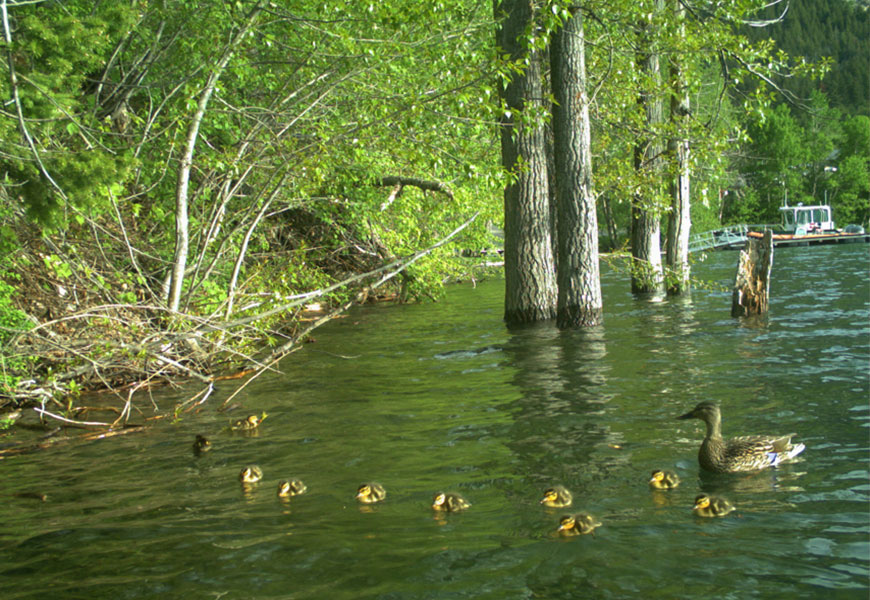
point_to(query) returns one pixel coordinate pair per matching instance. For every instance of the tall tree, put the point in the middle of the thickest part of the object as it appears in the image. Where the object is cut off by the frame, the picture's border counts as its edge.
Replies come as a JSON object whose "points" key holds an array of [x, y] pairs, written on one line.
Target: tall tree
{"points": [[182, 234], [579, 297], [530, 282], [679, 219], [646, 272]]}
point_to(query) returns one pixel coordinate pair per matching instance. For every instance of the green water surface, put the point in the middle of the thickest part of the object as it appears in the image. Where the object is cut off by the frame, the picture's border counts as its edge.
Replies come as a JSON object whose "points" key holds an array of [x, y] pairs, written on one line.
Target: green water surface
{"points": [[443, 396]]}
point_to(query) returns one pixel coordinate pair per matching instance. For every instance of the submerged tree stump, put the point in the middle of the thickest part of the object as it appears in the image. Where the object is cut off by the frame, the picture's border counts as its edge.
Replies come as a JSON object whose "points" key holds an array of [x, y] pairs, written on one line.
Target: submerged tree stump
{"points": [[752, 282]]}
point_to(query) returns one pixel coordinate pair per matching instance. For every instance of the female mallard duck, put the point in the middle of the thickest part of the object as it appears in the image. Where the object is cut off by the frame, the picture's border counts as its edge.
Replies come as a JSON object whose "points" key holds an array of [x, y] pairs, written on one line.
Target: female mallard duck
{"points": [[249, 423], [663, 480], [557, 497], [449, 502], [578, 524], [251, 474], [745, 453], [291, 487], [711, 506], [201, 444], [370, 493]]}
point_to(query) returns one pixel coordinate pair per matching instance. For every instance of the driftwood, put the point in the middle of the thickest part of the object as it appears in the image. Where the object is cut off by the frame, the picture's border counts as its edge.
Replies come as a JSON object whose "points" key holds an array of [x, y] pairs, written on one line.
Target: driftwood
{"points": [[752, 282]]}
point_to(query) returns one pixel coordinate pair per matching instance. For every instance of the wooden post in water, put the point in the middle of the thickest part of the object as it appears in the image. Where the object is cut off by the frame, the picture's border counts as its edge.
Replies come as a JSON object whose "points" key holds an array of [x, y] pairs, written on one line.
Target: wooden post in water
{"points": [[752, 282]]}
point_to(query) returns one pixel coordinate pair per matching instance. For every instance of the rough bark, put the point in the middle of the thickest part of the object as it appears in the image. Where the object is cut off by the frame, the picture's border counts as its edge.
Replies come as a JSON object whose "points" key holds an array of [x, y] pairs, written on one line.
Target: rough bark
{"points": [[752, 281], [530, 282], [579, 285], [646, 272], [679, 221]]}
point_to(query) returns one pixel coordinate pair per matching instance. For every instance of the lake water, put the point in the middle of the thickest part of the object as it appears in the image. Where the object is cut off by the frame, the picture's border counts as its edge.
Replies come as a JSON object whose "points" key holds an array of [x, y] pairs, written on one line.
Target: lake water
{"points": [[442, 396]]}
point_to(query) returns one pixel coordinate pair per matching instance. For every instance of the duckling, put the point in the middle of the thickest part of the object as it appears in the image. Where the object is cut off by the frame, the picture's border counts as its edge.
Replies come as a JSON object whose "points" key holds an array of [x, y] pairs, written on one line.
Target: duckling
{"points": [[745, 453], [663, 480], [557, 497], [291, 487], [251, 474], [201, 444], [711, 506], [249, 423], [578, 524], [370, 493], [450, 502]]}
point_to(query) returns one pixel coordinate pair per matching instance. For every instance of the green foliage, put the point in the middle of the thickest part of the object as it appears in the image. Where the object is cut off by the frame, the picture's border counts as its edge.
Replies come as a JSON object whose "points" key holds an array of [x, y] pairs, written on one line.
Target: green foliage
{"points": [[54, 54], [11, 319]]}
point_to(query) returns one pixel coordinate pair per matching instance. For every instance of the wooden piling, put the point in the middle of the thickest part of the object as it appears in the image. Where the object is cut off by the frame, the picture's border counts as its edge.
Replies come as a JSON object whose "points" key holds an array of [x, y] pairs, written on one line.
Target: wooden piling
{"points": [[752, 282]]}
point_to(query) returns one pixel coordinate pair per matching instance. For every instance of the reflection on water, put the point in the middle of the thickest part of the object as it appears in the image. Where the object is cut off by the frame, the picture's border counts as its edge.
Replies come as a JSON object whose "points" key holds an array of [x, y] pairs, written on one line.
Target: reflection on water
{"points": [[432, 397]]}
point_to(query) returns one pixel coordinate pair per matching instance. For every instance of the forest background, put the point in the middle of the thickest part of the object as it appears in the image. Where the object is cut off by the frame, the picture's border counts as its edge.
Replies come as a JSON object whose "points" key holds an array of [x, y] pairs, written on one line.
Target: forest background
{"points": [[183, 179]]}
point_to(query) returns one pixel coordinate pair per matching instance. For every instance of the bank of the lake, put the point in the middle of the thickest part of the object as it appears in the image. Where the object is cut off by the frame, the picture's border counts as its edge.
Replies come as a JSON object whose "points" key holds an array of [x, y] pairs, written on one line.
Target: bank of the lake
{"points": [[443, 396]]}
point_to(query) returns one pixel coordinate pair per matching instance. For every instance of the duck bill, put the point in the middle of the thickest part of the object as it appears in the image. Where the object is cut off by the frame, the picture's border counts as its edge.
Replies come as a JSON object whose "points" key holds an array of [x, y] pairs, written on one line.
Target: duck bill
{"points": [[688, 415]]}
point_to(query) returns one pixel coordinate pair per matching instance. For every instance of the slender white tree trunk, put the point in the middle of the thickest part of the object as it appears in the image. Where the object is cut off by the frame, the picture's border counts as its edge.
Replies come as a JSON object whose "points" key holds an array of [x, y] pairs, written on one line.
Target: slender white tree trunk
{"points": [[182, 222]]}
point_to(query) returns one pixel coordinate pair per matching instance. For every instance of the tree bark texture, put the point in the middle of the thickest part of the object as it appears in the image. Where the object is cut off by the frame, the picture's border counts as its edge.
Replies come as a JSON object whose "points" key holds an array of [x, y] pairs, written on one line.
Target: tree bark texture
{"points": [[579, 297], [646, 272], [679, 221], [752, 281], [530, 282]]}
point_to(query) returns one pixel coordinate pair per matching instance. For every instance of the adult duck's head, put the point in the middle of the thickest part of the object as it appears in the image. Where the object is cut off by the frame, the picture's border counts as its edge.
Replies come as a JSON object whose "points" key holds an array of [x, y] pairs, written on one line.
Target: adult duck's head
{"points": [[706, 411]]}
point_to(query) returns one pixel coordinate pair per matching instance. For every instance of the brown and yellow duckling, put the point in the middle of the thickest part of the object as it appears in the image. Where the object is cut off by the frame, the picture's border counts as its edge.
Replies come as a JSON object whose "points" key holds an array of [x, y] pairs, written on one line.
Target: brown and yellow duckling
{"points": [[249, 423], [291, 487], [579, 524], [201, 445], [251, 474], [557, 496], [449, 502], [371, 493], [711, 506], [663, 480]]}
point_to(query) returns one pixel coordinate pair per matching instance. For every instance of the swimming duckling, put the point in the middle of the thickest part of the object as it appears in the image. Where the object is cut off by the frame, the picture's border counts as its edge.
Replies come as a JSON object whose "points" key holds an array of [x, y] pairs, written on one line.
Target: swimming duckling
{"points": [[201, 444], [578, 524], [557, 497], [251, 474], [711, 506], [663, 480], [744, 453], [249, 423], [449, 502], [291, 487], [370, 493]]}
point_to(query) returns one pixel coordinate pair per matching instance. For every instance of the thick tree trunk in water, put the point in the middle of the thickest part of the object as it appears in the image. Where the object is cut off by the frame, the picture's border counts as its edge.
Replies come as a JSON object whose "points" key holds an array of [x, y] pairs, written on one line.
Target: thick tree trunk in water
{"points": [[646, 271], [679, 221], [579, 298], [752, 282], [530, 283]]}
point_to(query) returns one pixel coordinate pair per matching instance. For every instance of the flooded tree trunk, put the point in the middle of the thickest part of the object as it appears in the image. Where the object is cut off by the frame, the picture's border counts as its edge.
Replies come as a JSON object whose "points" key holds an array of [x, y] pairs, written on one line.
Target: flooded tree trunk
{"points": [[646, 272], [530, 279], [752, 282], [579, 300], [679, 220]]}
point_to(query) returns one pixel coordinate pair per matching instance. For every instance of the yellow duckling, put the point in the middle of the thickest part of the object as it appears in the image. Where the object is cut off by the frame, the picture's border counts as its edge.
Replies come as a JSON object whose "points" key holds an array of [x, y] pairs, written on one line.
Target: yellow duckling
{"points": [[711, 506], [449, 502], [557, 497], [249, 423], [663, 480], [201, 444], [251, 474], [291, 487], [578, 524], [370, 493]]}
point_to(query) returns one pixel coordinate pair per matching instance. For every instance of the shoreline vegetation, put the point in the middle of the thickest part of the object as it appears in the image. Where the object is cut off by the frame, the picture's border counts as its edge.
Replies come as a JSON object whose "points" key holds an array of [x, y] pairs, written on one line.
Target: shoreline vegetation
{"points": [[77, 346]]}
